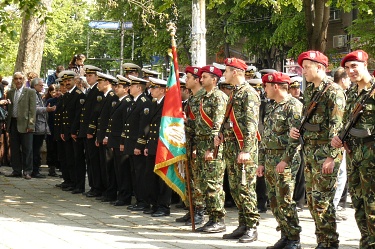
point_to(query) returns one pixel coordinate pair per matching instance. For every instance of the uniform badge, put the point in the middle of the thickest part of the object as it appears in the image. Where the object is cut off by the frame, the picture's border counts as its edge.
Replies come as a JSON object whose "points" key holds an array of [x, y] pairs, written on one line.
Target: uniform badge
{"points": [[99, 98], [229, 60], [82, 101], [270, 78], [114, 103], [360, 55], [146, 111], [212, 69], [312, 55], [196, 70], [111, 93]]}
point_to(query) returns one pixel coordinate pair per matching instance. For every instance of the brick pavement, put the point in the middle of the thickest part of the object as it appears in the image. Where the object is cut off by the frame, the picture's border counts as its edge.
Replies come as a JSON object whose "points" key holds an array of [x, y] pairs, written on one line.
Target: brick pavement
{"points": [[35, 214]]}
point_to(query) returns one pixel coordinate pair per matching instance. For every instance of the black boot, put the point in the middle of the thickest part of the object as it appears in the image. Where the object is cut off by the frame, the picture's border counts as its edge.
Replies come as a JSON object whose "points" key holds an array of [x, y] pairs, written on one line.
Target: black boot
{"points": [[331, 245], [280, 244], [198, 218], [184, 218], [250, 235], [215, 227], [293, 244], [200, 229], [236, 234]]}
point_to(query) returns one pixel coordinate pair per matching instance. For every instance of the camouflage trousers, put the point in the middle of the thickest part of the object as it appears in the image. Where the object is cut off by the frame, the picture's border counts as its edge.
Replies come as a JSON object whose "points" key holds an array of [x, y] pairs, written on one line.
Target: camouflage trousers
{"points": [[361, 178], [195, 181], [244, 195], [280, 193], [211, 176], [320, 191]]}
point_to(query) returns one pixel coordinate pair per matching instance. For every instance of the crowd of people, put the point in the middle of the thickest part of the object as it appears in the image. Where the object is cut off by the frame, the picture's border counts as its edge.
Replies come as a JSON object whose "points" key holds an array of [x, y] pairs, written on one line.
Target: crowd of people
{"points": [[252, 136]]}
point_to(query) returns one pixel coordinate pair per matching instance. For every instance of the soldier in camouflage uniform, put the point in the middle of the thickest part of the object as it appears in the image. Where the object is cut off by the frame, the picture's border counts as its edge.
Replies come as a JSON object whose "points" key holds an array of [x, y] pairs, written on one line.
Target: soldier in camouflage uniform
{"points": [[321, 160], [210, 170], [277, 158], [192, 111], [361, 160], [241, 149]]}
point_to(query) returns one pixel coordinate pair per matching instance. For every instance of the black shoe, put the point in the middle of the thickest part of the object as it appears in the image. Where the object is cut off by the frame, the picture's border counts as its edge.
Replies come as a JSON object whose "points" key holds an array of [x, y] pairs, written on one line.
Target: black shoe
{"points": [[149, 211], [68, 189], [77, 191], [13, 174], [107, 199], [280, 244], [200, 229], [322, 245], [99, 198], [37, 175], [130, 207], [53, 174], [160, 213], [198, 218], [88, 192], [293, 244], [236, 234], [250, 235], [215, 227], [118, 203], [184, 218], [139, 208], [93, 194]]}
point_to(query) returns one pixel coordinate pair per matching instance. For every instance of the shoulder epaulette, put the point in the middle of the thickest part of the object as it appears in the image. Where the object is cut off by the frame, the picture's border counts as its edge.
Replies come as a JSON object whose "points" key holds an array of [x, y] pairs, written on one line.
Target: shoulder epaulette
{"points": [[78, 91], [143, 99], [111, 93]]}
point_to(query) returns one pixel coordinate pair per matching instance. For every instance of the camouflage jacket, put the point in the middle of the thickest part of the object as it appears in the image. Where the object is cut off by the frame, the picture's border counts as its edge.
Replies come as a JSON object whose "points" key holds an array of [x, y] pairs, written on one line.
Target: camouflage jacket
{"points": [[245, 107], [279, 119], [192, 112], [328, 115], [211, 114], [367, 118]]}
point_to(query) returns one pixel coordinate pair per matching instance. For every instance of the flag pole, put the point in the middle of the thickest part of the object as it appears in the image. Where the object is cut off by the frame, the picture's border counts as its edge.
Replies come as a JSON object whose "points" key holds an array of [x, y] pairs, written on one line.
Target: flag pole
{"points": [[172, 28]]}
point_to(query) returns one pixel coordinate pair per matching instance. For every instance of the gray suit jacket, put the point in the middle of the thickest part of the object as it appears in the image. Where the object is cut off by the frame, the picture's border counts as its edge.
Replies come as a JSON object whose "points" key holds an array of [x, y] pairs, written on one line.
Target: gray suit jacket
{"points": [[26, 109]]}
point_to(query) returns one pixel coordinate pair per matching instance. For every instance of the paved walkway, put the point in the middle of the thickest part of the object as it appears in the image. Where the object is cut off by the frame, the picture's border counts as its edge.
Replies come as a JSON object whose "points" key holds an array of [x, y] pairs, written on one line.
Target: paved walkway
{"points": [[35, 214]]}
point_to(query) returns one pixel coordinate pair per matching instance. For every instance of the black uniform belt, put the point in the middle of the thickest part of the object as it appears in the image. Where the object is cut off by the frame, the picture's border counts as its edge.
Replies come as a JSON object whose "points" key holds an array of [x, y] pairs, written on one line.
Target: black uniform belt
{"points": [[274, 151], [316, 142], [362, 140]]}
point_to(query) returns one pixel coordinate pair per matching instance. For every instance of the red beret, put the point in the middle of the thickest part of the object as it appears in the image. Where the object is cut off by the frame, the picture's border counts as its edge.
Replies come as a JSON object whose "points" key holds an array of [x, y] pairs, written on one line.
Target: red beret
{"points": [[237, 63], [313, 56], [192, 70], [211, 69], [276, 77], [358, 55]]}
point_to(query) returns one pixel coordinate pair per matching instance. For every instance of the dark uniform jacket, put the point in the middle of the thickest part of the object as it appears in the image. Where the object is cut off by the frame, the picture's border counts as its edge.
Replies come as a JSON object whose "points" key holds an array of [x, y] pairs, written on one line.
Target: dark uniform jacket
{"points": [[116, 123], [136, 120], [89, 110], [71, 111], [57, 129], [107, 103], [153, 133]]}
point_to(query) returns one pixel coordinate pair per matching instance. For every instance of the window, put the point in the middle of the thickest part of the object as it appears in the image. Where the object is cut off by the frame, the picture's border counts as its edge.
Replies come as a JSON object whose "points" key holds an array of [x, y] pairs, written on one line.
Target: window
{"points": [[334, 14]]}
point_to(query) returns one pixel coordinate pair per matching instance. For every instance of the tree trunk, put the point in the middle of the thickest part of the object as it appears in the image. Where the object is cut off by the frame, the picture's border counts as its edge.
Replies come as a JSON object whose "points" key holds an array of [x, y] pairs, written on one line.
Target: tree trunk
{"points": [[316, 21], [31, 45]]}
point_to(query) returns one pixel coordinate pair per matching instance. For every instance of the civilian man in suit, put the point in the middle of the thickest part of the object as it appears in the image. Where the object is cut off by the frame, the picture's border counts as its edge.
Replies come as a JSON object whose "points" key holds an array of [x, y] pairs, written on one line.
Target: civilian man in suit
{"points": [[115, 157], [20, 125], [159, 194], [134, 140]]}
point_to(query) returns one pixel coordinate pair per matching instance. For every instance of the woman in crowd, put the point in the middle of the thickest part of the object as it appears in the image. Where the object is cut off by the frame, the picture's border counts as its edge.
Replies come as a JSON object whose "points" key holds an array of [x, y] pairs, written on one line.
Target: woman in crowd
{"points": [[41, 126], [76, 64]]}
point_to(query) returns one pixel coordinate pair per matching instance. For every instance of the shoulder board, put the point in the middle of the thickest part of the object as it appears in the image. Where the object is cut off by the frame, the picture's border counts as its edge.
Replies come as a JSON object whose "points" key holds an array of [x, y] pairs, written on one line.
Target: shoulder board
{"points": [[78, 91], [111, 93], [128, 99], [143, 99]]}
